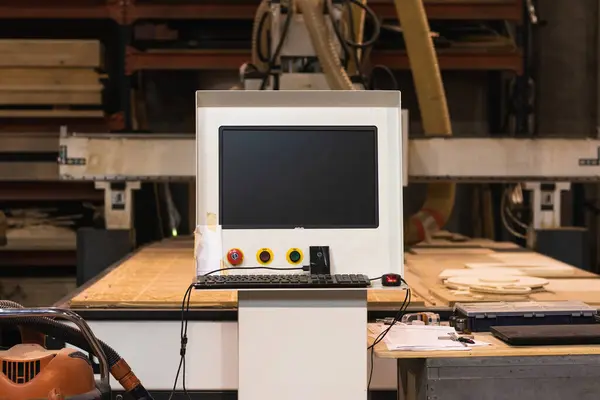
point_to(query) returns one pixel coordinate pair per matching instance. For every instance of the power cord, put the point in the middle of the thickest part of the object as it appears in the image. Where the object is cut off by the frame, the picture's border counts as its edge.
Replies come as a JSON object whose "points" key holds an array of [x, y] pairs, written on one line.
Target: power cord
{"points": [[381, 336], [185, 309]]}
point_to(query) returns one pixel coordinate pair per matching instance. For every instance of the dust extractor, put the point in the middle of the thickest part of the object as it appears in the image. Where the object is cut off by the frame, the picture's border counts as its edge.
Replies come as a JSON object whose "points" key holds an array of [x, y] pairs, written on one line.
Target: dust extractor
{"points": [[30, 371]]}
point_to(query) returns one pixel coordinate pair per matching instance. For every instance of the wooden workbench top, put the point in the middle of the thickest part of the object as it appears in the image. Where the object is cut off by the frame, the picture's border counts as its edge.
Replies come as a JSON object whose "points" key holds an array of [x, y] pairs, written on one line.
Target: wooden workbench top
{"points": [[158, 275], [497, 348]]}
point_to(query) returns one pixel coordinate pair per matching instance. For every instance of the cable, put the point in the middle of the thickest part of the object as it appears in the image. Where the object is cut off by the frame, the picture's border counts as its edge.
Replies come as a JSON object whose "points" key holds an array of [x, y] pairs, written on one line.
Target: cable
{"points": [[349, 46], [381, 336], [388, 72], [185, 309], [509, 212], [507, 226], [278, 48], [261, 26], [352, 43]]}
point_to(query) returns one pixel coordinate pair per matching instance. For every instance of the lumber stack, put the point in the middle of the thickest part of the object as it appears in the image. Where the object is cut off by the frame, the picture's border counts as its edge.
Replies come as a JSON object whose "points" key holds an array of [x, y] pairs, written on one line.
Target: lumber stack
{"points": [[50, 78]]}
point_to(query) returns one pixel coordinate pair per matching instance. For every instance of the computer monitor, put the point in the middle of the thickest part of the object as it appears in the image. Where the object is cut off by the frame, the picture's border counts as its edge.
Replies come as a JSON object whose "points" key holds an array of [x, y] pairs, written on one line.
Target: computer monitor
{"points": [[287, 179]]}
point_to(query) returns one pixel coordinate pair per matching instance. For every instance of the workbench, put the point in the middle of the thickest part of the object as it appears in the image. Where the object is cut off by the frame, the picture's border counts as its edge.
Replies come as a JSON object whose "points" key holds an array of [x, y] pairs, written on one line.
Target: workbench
{"points": [[497, 371], [135, 307]]}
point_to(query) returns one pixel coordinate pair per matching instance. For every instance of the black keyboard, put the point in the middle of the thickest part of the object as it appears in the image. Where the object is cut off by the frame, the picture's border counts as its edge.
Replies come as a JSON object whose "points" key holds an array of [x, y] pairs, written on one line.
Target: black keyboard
{"points": [[279, 281]]}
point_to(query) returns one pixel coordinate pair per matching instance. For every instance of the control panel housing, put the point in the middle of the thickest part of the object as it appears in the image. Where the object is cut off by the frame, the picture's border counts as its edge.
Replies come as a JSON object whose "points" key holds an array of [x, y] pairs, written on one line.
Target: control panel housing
{"points": [[373, 250]]}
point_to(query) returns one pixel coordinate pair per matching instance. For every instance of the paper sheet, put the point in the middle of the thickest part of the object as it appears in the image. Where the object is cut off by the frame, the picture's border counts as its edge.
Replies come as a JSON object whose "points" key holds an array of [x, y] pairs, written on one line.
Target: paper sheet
{"points": [[208, 251], [421, 338]]}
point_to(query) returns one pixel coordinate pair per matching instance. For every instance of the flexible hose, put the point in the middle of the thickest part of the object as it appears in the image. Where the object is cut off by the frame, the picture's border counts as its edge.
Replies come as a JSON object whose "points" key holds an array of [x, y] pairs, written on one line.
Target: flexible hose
{"points": [[434, 114], [118, 367], [324, 44]]}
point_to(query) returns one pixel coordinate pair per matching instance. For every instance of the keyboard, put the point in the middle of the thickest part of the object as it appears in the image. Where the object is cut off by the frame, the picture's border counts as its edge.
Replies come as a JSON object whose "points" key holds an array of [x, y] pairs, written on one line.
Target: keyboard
{"points": [[282, 281]]}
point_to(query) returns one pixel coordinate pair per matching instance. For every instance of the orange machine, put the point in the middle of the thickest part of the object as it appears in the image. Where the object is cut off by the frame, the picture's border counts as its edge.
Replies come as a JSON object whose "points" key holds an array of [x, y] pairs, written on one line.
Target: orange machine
{"points": [[32, 372], [29, 371]]}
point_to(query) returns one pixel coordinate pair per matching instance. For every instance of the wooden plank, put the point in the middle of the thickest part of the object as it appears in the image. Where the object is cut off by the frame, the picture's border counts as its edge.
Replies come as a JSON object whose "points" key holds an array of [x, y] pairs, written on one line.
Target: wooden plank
{"points": [[50, 95], [157, 277], [55, 113], [29, 171], [48, 77], [50, 53], [29, 142]]}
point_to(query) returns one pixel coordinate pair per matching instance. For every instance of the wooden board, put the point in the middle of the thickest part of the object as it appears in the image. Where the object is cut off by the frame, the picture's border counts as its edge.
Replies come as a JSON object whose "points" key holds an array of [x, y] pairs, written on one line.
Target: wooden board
{"points": [[50, 95], [55, 113], [157, 276], [50, 53], [69, 77]]}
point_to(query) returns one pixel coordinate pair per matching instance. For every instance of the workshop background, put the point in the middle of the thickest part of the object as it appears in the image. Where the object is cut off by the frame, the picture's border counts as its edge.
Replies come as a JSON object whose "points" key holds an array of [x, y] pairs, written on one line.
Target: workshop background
{"points": [[133, 66]]}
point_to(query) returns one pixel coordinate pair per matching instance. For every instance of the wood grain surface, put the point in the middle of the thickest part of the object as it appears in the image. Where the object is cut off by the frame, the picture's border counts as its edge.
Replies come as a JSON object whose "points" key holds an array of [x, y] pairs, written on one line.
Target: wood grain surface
{"points": [[157, 276]]}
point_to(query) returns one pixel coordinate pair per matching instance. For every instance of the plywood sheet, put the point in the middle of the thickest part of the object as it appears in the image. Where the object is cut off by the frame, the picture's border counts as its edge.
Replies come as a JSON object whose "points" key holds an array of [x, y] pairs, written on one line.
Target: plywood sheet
{"points": [[450, 297], [456, 250], [586, 290], [157, 277]]}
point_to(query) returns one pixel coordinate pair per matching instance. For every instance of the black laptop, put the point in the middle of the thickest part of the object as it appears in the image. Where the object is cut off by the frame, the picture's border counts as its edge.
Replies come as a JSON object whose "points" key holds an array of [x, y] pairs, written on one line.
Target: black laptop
{"points": [[548, 335]]}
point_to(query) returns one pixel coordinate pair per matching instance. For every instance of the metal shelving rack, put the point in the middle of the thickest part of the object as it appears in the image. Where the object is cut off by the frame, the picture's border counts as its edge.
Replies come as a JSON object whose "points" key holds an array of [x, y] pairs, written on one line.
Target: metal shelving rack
{"points": [[125, 13]]}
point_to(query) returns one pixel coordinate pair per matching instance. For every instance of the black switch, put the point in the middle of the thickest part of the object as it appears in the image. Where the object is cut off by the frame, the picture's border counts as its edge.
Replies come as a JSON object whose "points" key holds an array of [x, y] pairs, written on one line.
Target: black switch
{"points": [[319, 260]]}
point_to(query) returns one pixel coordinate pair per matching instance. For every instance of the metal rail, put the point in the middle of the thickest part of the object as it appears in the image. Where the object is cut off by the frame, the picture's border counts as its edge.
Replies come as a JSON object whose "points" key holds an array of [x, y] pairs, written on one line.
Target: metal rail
{"points": [[171, 157]]}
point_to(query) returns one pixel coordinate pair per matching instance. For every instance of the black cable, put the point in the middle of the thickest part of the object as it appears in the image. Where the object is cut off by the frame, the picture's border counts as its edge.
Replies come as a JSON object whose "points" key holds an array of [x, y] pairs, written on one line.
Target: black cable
{"points": [[278, 48], [259, 49], [381, 336], [185, 309], [349, 46], [376, 26], [388, 72]]}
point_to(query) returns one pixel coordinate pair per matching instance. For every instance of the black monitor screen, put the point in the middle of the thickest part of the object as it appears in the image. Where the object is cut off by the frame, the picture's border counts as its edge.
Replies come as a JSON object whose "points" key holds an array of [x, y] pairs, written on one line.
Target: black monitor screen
{"points": [[298, 177]]}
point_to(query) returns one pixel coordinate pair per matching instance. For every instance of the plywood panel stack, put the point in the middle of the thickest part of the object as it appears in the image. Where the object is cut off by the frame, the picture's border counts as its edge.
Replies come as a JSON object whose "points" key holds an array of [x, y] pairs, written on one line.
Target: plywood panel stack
{"points": [[50, 78]]}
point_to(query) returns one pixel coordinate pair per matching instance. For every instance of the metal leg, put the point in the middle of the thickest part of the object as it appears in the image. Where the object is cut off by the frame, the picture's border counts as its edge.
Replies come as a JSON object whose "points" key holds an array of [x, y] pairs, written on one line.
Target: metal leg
{"points": [[401, 379], [118, 204]]}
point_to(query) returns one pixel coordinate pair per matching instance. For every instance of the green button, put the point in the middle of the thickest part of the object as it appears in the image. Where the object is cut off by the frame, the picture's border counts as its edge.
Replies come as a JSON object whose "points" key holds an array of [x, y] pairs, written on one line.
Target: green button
{"points": [[294, 256]]}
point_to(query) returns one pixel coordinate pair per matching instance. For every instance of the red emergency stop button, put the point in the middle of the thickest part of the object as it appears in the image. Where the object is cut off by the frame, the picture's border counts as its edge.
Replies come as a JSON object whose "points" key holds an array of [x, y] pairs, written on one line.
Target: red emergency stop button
{"points": [[235, 256]]}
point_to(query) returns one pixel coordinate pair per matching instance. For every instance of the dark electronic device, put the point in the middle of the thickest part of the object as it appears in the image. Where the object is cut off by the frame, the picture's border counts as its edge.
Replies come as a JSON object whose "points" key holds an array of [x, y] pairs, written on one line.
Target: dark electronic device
{"points": [[480, 317], [548, 335], [291, 177], [391, 280], [319, 260], [279, 281]]}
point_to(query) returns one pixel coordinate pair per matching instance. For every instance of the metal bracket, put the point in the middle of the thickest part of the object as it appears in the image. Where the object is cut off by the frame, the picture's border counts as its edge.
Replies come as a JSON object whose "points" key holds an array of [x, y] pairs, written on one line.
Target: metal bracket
{"points": [[546, 203], [118, 205]]}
